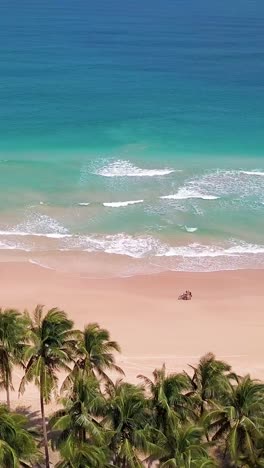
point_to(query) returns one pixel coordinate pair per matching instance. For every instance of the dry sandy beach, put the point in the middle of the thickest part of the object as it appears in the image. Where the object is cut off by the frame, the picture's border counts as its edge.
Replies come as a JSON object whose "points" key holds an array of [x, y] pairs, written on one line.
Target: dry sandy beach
{"points": [[145, 317]]}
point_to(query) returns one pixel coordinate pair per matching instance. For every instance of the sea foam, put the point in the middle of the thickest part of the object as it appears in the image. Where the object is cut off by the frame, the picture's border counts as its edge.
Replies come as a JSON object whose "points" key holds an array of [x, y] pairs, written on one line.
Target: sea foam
{"points": [[185, 193], [124, 203], [254, 173], [149, 246], [200, 250], [121, 168], [13, 246], [190, 229], [229, 183], [54, 235], [38, 225]]}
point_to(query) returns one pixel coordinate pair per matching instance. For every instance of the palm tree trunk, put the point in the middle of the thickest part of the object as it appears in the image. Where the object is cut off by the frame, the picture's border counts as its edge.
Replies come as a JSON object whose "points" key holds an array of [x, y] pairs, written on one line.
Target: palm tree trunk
{"points": [[7, 391], [44, 427]]}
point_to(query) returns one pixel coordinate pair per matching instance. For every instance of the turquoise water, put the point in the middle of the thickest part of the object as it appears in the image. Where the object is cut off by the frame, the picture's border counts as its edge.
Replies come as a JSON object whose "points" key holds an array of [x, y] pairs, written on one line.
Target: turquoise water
{"points": [[115, 102]]}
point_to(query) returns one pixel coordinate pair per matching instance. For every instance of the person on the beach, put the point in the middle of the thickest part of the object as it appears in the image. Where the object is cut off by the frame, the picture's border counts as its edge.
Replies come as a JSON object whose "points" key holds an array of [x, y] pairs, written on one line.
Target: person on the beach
{"points": [[186, 296]]}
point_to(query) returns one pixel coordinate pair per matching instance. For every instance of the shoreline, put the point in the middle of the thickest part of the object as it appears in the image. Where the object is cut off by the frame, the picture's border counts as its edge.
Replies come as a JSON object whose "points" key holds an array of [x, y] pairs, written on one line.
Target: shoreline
{"points": [[144, 315], [110, 265]]}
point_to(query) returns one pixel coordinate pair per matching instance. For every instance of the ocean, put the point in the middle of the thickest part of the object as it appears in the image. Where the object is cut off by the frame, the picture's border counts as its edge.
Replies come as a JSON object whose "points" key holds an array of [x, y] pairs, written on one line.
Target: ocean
{"points": [[132, 132]]}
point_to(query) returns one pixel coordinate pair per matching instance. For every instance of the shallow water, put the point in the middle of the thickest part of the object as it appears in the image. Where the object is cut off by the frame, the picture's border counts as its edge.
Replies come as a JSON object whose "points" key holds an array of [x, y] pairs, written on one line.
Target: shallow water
{"points": [[134, 130]]}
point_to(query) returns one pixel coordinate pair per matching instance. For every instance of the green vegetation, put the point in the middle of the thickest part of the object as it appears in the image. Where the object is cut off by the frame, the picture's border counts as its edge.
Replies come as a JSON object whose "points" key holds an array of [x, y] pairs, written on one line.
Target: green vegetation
{"points": [[208, 417], [13, 339], [17, 443]]}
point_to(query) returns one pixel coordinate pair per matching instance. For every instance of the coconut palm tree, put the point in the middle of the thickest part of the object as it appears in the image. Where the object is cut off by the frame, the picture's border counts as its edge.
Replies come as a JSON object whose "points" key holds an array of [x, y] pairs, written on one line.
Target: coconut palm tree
{"points": [[17, 443], [51, 348], [83, 406], [82, 455], [167, 396], [240, 423], [185, 448], [210, 381], [127, 417], [13, 331], [94, 353]]}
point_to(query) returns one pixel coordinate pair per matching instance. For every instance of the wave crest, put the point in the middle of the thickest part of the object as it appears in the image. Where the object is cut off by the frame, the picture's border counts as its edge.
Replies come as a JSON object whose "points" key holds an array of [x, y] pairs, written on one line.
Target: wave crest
{"points": [[200, 250], [190, 229], [121, 168], [121, 204], [184, 194], [254, 173], [148, 246], [38, 225], [13, 246]]}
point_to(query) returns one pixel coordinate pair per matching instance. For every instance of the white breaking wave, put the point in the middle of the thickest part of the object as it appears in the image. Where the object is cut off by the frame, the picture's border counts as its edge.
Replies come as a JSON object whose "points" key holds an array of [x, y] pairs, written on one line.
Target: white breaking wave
{"points": [[190, 257], [237, 184], [124, 203], [119, 244], [256, 173], [148, 246], [54, 235], [199, 250], [122, 168], [190, 229], [38, 225], [41, 224], [12, 246], [84, 204], [184, 194], [7, 246]]}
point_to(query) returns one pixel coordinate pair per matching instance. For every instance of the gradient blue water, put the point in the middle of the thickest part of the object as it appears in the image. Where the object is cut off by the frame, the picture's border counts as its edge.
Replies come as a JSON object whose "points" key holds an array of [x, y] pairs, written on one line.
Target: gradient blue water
{"points": [[161, 84], [177, 76]]}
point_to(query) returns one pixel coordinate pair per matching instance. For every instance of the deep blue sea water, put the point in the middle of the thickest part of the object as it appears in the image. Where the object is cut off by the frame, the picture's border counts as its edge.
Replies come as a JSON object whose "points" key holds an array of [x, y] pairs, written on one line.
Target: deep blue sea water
{"points": [[104, 103]]}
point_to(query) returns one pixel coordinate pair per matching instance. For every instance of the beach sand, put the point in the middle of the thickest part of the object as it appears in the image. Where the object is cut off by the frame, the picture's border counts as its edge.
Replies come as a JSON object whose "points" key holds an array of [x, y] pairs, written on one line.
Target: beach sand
{"points": [[144, 316]]}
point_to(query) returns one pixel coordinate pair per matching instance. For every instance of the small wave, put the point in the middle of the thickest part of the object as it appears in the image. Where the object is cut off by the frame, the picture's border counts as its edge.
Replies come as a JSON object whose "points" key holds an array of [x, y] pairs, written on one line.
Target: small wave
{"points": [[184, 194], [124, 203], [83, 204], [237, 184], [119, 244], [12, 246], [34, 262], [37, 224], [54, 235], [254, 173], [122, 168], [199, 250], [148, 246], [190, 229]]}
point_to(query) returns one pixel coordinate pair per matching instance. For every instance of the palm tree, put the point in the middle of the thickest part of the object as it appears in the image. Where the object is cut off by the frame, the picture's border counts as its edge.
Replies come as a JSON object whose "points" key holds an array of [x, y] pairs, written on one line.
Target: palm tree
{"points": [[167, 395], [51, 348], [17, 443], [210, 381], [83, 405], [12, 345], [127, 417], [240, 423], [186, 449], [95, 352], [82, 455], [79, 435]]}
